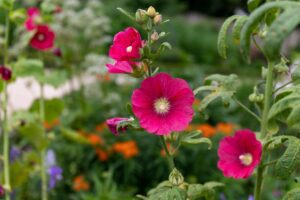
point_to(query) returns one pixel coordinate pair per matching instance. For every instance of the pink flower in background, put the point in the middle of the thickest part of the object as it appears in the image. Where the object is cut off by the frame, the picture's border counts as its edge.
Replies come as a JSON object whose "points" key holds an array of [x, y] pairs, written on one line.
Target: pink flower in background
{"points": [[120, 67], [239, 154], [113, 124], [126, 45], [163, 104], [43, 39], [32, 13]]}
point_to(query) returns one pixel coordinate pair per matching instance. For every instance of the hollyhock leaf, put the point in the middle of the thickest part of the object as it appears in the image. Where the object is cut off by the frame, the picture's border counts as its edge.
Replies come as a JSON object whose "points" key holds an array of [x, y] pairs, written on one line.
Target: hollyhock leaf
{"points": [[6, 4], [53, 108], [195, 191], [292, 194], [277, 141], [55, 78], [193, 138], [222, 38], [74, 136], [237, 28], [287, 163], [254, 20], [252, 4], [169, 194], [19, 174], [279, 30], [34, 133], [28, 67], [141, 197]]}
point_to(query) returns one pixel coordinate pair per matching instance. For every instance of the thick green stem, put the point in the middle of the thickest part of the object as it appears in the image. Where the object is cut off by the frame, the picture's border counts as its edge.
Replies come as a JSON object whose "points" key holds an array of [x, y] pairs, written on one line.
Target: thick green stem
{"points": [[6, 170], [264, 129], [43, 152], [169, 156]]}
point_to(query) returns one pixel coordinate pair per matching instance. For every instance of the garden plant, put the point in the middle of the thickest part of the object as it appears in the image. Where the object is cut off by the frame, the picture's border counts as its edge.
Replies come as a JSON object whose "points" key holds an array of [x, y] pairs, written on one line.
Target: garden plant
{"points": [[48, 148]]}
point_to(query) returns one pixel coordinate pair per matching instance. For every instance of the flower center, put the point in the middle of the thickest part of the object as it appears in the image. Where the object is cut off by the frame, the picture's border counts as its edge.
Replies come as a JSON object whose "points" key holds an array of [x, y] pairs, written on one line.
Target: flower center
{"points": [[41, 37], [246, 159], [129, 49], [162, 105]]}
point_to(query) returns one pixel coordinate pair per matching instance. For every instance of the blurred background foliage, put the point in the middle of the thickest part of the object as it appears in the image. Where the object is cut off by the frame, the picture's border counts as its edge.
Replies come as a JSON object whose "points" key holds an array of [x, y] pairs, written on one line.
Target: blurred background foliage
{"points": [[98, 165]]}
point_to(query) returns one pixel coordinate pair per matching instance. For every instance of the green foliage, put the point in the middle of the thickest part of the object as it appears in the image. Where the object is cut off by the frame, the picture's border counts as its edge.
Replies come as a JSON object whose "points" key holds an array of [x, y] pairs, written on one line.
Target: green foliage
{"points": [[288, 162], [193, 138], [53, 108], [286, 107], [292, 195], [6, 4], [74, 136], [219, 86], [195, 191], [252, 4], [29, 67]]}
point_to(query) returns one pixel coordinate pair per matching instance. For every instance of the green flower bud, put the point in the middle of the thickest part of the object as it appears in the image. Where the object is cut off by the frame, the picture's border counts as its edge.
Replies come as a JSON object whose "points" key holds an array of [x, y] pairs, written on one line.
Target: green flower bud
{"points": [[141, 16], [264, 72], [176, 177], [151, 12]]}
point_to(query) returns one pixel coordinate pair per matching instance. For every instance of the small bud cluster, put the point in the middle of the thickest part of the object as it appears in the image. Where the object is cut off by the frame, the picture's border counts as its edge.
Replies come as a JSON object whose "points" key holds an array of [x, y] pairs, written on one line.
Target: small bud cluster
{"points": [[143, 16]]}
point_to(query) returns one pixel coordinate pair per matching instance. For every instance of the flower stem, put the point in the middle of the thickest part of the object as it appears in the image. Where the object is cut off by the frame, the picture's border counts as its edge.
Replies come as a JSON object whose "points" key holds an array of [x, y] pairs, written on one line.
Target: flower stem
{"points": [[6, 167], [247, 109], [264, 130], [43, 151], [169, 156]]}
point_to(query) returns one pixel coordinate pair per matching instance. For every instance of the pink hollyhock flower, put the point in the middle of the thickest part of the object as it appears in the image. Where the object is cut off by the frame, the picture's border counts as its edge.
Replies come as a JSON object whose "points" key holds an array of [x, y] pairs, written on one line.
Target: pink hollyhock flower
{"points": [[32, 13], [126, 45], [5, 73], [113, 124], [120, 67], [43, 39], [163, 104], [239, 154]]}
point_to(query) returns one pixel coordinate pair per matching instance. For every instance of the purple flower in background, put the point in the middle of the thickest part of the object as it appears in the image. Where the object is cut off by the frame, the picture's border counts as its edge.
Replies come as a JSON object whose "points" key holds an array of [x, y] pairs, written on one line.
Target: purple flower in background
{"points": [[251, 197], [15, 152], [54, 171], [222, 196], [57, 52], [55, 174], [2, 191]]}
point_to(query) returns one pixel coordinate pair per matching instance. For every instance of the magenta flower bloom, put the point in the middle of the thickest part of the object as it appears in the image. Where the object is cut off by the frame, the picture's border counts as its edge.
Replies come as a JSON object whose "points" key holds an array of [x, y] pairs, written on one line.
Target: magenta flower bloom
{"points": [[5, 73], [32, 13], [43, 39], [114, 122], [163, 104], [120, 67], [239, 154], [126, 45]]}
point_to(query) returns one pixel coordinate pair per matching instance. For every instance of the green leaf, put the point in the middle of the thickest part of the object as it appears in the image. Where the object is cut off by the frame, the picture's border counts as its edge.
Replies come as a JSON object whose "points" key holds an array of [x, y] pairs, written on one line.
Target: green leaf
{"points": [[6, 4], [56, 78], [252, 4], [194, 138], [254, 20], [223, 35], [279, 30], [287, 163], [169, 194], [292, 195], [34, 133], [74, 136], [18, 16], [29, 67], [53, 108], [286, 107], [277, 141], [195, 191], [221, 86], [237, 28]]}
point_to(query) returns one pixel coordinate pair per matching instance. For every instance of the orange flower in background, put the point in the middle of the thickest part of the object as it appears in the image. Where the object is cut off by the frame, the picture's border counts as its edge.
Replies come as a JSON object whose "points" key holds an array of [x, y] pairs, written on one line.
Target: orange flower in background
{"points": [[95, 139], [207, 130], [50, 125], [80, 184], [196, 102], [100, 127], [102, 155], [128, 149], [225, 128]]}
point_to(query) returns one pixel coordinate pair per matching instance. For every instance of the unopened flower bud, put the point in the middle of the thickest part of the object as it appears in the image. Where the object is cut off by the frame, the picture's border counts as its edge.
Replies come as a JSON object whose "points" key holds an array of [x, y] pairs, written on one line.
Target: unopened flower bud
{"points": [[141, 16], [176, 177], [151, 12], [157, 19], [5, 73], [256, 98], [154, 36]]}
